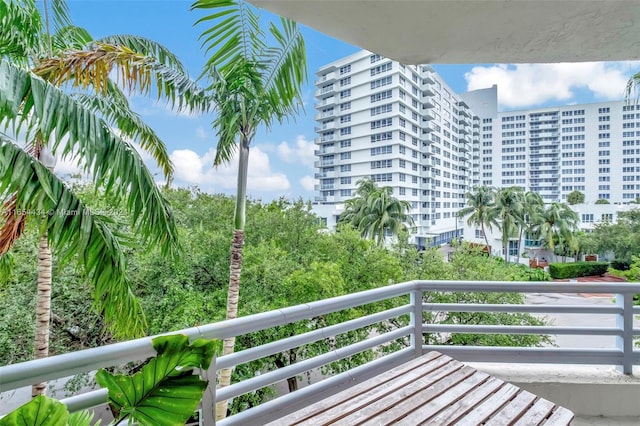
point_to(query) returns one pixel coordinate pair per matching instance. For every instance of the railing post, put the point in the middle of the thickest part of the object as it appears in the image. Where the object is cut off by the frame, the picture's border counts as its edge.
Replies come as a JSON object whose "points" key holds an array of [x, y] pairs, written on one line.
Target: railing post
{"points": [[624, 321], [208, 403], [415, 299]]}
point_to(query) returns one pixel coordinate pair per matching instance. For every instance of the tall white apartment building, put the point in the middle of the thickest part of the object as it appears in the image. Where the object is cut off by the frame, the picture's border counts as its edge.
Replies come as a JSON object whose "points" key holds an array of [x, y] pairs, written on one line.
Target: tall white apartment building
{"points": [[402, 126], [591, 148]]}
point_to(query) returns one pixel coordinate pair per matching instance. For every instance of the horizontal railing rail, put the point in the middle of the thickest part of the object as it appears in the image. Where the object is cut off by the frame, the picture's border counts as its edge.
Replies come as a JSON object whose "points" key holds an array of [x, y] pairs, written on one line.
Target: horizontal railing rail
{"points": [[413, 304]]}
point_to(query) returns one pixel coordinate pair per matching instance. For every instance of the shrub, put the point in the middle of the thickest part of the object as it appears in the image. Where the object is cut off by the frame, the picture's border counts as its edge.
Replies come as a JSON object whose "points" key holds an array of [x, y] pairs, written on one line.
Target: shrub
{"points": [[620, 265], [577, 269], [537, 274]]}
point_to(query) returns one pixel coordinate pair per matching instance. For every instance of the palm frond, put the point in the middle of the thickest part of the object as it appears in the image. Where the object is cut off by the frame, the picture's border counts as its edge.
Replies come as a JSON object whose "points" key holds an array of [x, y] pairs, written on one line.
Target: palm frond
{"points": [[74, 230], [235, 35], [61, 17], [70, 38], [74, 131], [146, 47], [14, 224], [286, 64], [22, 26], [135, 71], [130, 124]]}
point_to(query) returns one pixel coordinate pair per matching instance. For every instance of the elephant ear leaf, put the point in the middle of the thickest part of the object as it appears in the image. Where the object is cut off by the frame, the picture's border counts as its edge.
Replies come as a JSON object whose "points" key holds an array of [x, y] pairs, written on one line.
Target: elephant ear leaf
{"points": [[165, 391], [40, 411]]}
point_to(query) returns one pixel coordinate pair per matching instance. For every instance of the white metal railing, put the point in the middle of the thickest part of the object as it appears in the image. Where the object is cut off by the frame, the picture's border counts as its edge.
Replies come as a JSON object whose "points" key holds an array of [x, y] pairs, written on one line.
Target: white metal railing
{"points": [[409, 298]]}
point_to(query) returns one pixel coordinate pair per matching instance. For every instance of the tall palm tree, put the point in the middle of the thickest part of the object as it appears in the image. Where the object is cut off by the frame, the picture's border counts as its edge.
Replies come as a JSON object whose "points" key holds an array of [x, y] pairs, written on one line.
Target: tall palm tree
{"points": [[57, 95], [375, 212], [480, 209], [253, 85], [559, 225], [507, 210], [532, 207]]}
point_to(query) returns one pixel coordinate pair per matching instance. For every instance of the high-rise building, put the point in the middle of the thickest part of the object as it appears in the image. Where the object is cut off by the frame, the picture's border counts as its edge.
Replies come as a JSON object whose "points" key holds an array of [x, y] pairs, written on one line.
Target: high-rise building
{"points": [[403, 127]]}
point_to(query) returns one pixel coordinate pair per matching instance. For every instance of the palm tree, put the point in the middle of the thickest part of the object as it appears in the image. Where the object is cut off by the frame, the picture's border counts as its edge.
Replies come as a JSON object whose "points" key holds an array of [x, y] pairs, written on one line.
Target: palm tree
{"points": [[559, 224], [252, 84], [507, 210], [532, 207], [93, 126], [375, 212], [480, 209]]}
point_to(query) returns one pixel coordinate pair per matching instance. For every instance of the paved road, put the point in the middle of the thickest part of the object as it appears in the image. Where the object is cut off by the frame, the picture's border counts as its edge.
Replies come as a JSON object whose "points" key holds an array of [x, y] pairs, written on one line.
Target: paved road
{"points": [[578, 320]]}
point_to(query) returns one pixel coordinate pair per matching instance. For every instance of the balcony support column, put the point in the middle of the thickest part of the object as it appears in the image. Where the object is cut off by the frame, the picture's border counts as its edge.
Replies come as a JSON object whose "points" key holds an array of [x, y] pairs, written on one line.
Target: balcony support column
{"points": [[624, 321], [415, 300], [208, 403]]}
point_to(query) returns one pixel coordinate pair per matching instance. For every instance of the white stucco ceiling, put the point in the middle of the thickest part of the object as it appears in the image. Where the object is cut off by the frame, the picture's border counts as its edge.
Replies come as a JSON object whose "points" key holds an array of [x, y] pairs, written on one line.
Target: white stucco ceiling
{"points": [[476, 31]]}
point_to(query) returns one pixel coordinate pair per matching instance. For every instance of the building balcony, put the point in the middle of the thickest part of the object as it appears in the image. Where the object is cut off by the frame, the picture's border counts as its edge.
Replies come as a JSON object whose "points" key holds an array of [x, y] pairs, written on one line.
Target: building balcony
{"points": [[326, 163], [327, 78], [555, 373], [323, 115], [325, 138], [331, 125], [427, 90], [325, 102]]}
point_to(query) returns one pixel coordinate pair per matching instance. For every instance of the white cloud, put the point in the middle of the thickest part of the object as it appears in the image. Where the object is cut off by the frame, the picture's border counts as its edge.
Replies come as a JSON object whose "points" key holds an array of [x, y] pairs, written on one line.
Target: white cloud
{"points": [[299, 152], [524, 85], [307, 183], [193, 169]]}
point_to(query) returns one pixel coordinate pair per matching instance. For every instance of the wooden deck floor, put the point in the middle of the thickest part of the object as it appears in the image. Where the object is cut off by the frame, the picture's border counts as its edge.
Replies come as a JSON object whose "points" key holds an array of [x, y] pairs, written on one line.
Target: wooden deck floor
{"points": [[431, 390]]}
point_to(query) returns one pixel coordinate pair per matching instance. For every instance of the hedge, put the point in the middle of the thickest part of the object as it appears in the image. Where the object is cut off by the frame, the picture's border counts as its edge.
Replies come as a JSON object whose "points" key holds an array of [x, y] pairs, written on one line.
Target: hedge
{"points": [[577, 269]]}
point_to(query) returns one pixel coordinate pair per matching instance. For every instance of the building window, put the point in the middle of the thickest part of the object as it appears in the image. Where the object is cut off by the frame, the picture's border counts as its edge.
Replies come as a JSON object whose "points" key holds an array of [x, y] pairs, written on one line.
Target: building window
{"points": [[381, 68], [345, 155], [345, 93], [345, 69]]}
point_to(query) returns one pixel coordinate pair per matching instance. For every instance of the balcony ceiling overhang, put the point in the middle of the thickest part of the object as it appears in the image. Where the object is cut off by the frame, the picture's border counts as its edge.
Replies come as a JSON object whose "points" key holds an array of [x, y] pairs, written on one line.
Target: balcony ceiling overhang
{"points": [[476, 31]]}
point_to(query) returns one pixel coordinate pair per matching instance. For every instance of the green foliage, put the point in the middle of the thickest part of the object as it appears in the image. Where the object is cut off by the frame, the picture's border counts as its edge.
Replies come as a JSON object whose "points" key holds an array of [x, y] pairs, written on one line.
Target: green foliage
{"points": [[621, 238], [575, 197], [538, 274], [40, 411], [374, 212], [165, 391], [630, 271], [602, 201], [577, 269]]}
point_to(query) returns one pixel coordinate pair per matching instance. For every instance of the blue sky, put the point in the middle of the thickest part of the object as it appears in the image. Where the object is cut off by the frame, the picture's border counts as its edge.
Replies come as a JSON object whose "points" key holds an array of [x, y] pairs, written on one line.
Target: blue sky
{"points": [[281, 161]]}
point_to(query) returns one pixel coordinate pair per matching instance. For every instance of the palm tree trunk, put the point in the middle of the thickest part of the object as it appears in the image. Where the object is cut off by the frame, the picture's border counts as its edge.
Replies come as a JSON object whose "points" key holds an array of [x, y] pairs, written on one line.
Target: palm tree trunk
{"points": [[43, 308], [486, 239], [519, 247], [235, 269]]}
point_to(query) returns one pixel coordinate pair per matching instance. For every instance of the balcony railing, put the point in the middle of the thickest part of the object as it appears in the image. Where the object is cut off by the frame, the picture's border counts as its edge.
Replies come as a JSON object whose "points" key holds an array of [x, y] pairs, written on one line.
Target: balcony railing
{"points": [[408, 301]]}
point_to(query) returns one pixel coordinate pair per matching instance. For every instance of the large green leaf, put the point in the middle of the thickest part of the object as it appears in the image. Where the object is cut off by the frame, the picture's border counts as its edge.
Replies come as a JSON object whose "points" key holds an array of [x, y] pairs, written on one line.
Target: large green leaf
{"points": [[40, 411], [165, 391]]}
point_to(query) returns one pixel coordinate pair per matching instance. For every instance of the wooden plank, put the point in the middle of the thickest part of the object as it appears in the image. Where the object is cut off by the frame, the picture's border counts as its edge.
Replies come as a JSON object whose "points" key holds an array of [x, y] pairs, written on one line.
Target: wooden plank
{"points": [[350, 403], [429, 387], [428, 402], [429, 412], [513, 410], [405, 373], [535, 415], [489, 406], [467, 403], [560, 417]]}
